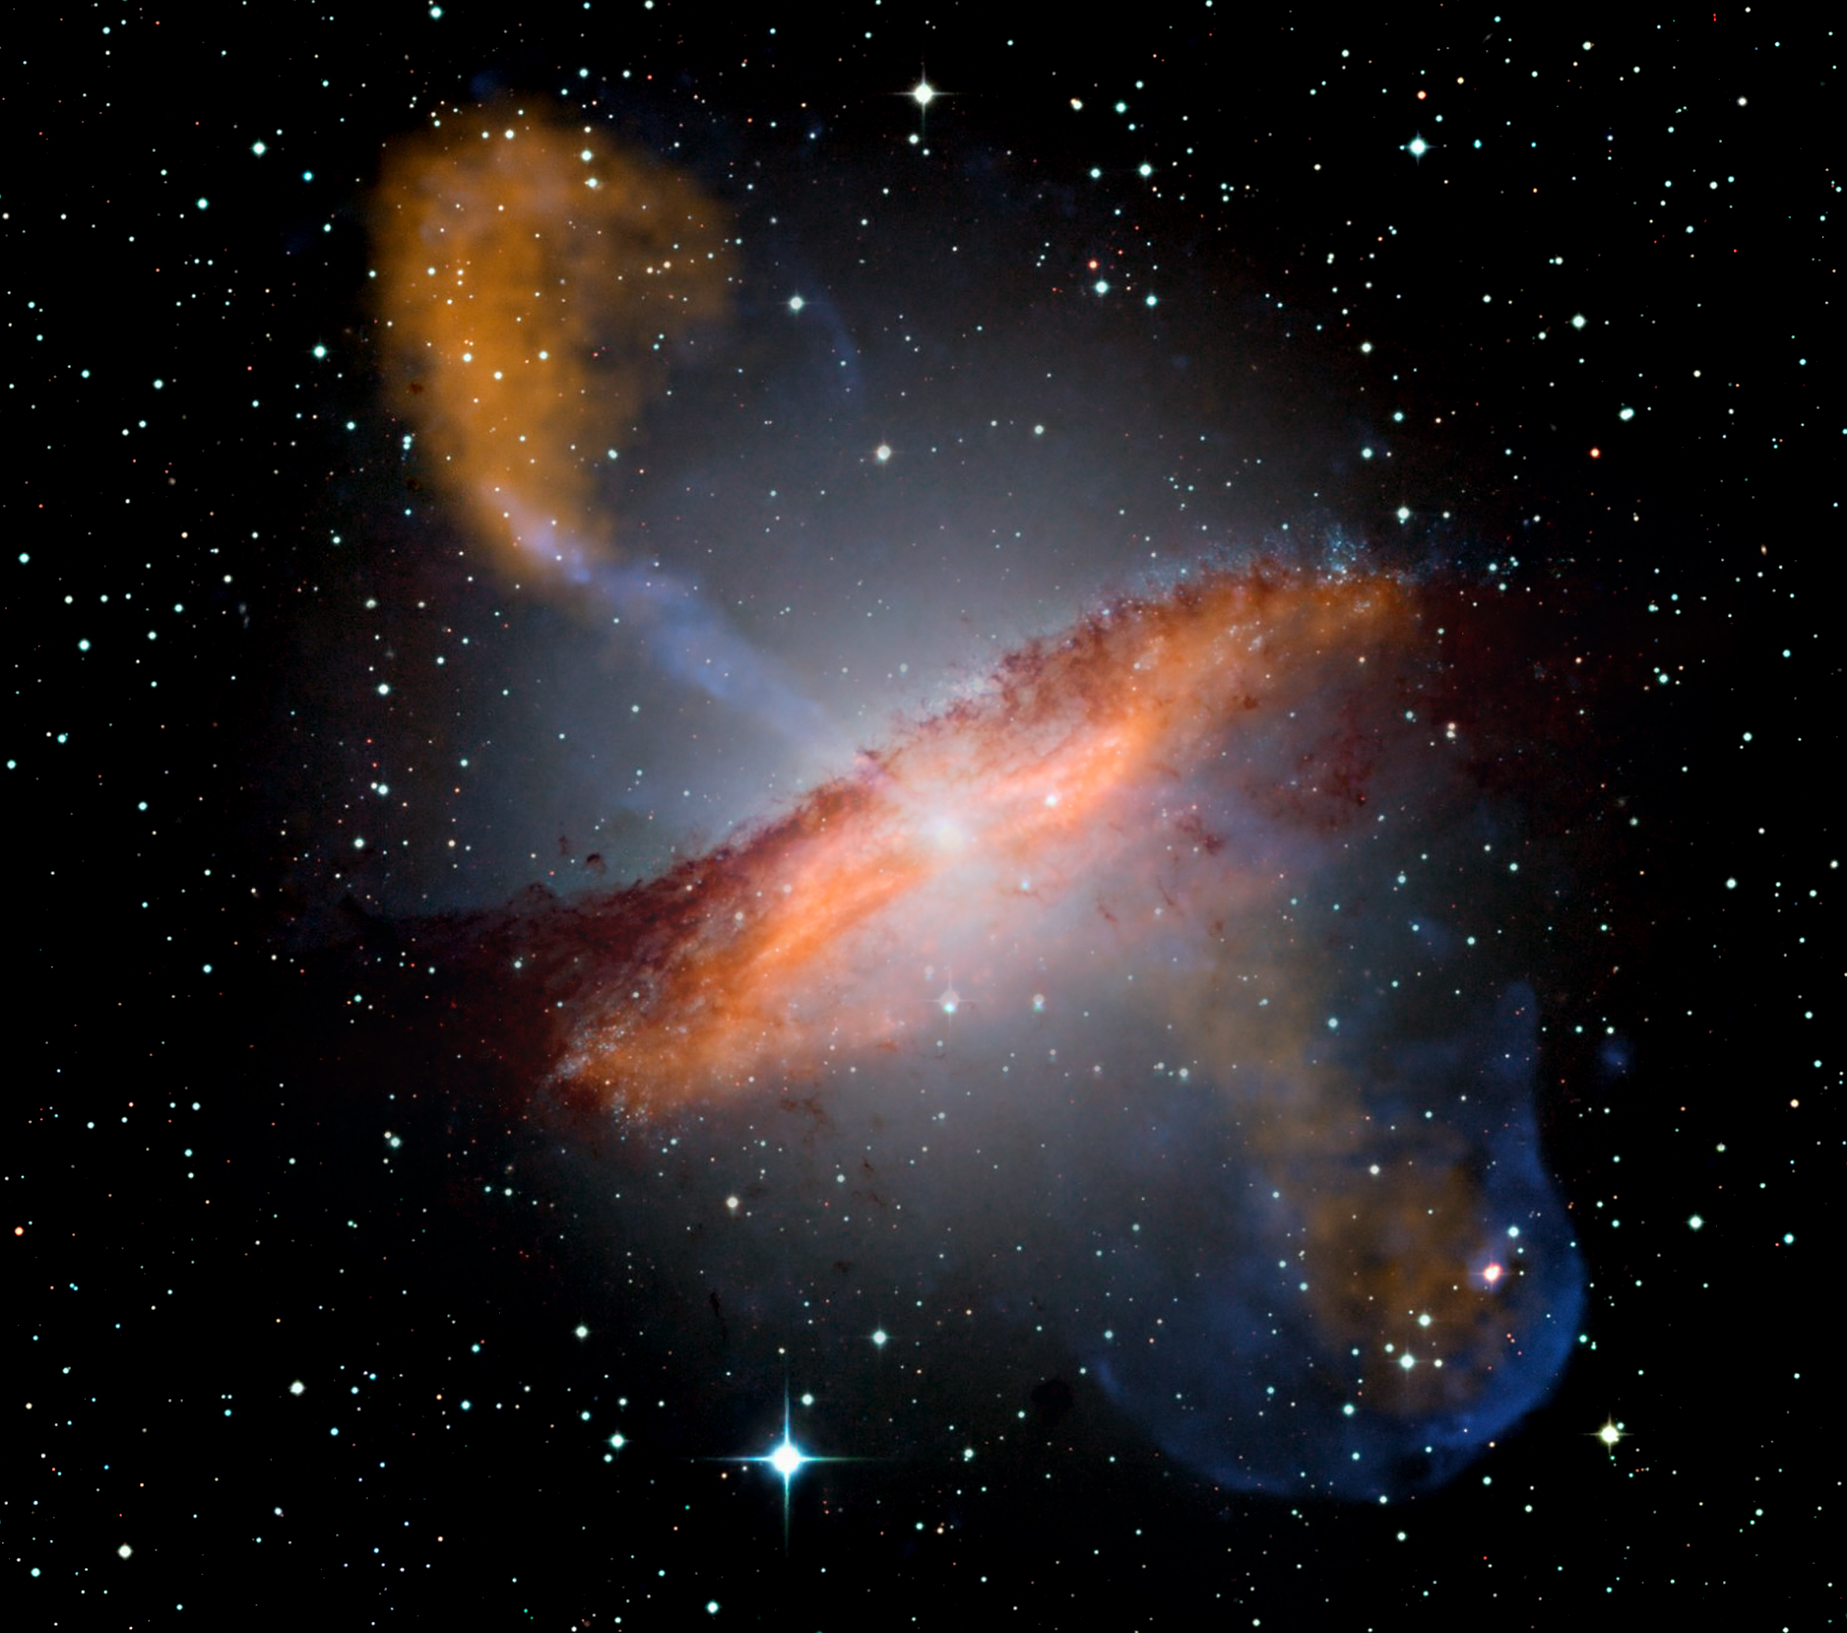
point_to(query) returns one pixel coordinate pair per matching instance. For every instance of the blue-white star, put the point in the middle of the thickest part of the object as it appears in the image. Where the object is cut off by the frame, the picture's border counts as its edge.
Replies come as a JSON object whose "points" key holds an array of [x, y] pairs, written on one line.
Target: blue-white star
{"points": [[787, 1459]]}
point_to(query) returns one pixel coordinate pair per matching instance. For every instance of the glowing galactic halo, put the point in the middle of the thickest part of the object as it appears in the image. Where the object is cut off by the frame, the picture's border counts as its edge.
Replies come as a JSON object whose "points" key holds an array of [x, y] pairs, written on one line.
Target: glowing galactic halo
{"points": [[1205, 920]]}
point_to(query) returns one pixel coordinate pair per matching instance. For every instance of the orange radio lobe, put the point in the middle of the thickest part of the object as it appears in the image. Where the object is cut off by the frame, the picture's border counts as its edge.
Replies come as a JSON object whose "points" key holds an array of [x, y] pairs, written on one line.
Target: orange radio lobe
{"points": [[528, 275]]}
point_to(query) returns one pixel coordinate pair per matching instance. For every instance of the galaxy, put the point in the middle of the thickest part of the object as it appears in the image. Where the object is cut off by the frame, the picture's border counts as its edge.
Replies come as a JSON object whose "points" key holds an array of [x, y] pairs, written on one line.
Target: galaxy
{"points": [[917, 816]]}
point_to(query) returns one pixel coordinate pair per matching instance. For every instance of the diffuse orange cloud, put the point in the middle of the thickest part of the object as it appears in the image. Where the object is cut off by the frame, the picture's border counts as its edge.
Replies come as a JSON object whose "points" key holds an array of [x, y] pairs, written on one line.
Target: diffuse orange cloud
{"points": [[529, 276], [1155, 855]]}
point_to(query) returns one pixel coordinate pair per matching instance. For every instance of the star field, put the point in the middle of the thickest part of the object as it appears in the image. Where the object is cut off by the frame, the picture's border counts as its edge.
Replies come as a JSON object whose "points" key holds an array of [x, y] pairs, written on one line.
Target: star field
{"points": [[329, 1292]]}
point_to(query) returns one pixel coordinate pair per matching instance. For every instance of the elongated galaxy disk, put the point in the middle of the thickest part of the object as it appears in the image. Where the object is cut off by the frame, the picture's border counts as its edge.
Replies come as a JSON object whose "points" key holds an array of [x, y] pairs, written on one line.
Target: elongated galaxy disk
{"points": [[1076, 810]]}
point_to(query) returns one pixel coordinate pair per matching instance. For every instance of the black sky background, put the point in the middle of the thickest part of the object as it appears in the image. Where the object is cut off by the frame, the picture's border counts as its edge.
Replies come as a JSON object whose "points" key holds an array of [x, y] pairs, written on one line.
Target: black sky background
{"points": [[205, 1207]]}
